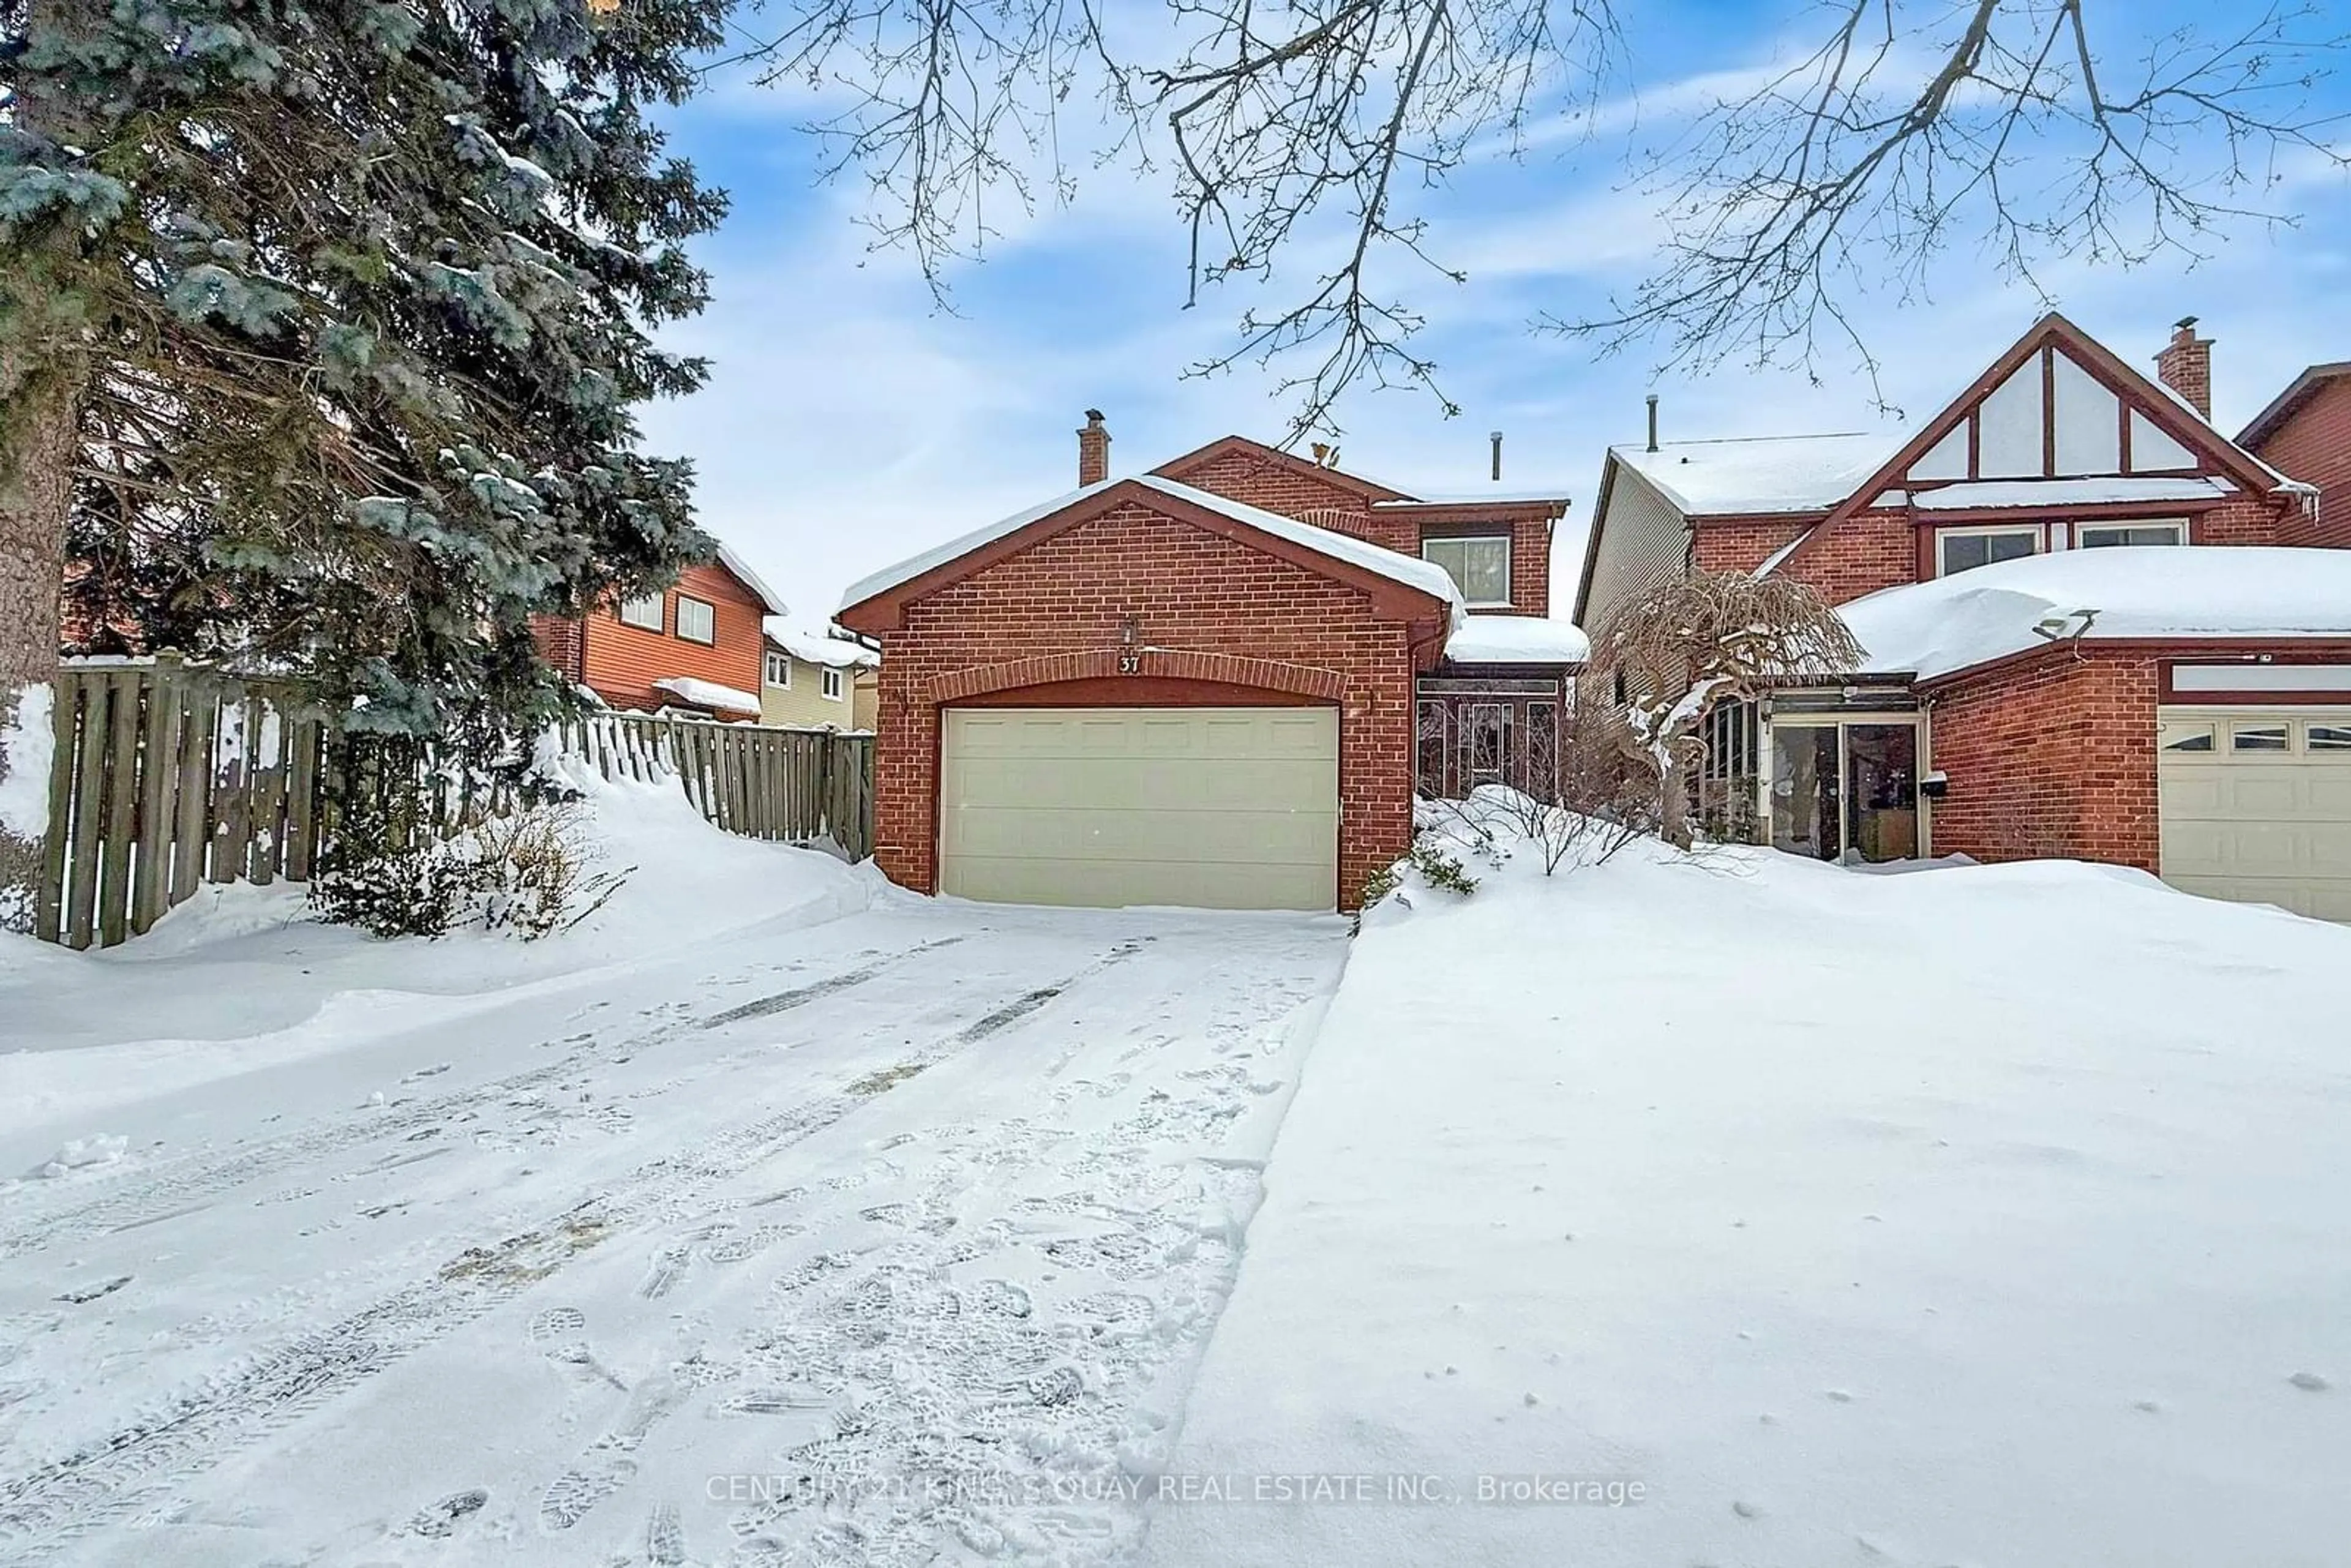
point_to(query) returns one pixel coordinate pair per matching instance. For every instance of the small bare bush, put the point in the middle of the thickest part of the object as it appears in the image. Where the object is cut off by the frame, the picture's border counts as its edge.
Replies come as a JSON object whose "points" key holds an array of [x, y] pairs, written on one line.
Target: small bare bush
{"points": [[532, 872]]}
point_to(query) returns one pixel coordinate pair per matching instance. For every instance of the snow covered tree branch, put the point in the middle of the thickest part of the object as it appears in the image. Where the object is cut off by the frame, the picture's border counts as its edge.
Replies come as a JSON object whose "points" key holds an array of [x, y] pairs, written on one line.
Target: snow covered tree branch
{"points": [[1670, 654]]}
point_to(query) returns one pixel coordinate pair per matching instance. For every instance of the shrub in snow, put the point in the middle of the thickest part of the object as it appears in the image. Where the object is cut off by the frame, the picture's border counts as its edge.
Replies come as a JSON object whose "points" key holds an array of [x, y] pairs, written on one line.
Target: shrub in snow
{"points": [[530, 872], [1427, 864]]}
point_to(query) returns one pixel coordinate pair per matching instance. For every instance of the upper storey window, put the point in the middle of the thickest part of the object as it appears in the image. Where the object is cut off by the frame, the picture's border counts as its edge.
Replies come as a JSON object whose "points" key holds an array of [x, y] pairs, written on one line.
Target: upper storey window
{"points": [[1479, 564], [1963, 549]]}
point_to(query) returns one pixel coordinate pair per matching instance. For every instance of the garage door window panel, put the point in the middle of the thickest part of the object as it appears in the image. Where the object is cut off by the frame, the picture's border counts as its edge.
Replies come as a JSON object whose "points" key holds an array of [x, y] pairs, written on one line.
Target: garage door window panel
{"points": [[2335, 738], [2258, 738]]}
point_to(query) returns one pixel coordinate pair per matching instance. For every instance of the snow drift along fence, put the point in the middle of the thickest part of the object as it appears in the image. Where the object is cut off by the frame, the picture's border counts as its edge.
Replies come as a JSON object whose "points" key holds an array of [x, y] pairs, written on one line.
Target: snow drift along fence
{"points": [[167, 776]]}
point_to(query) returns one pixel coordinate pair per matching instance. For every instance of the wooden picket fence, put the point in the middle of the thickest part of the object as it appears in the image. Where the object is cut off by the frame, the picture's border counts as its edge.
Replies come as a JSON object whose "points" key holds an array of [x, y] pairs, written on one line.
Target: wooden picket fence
{"points": [[167, 776]]}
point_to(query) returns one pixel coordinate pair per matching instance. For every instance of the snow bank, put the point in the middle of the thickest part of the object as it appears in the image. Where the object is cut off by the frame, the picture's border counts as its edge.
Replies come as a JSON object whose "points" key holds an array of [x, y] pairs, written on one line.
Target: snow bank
{"points": [[241, 978], [1984, 1215], [2150, 591], [28, 745]]}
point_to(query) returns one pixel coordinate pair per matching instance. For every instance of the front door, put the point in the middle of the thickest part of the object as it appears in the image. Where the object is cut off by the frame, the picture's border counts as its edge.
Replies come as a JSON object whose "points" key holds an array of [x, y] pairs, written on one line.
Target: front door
{"points": [[1842, 787]]}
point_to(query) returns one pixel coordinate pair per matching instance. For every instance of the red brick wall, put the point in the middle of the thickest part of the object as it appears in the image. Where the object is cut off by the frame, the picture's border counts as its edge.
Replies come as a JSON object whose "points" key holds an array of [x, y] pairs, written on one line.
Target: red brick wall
{"points": [[2245, 520], [1188, 589], [2051, 758], [2315, 446], [558, 637], [1861, 555], [1743, 546], [625, 661], [1254, 481]]}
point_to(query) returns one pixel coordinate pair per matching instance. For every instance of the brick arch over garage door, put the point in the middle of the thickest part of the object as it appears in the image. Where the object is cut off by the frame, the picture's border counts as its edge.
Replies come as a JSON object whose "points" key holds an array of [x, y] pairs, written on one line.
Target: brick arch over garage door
{"points": [[1226, 669]]}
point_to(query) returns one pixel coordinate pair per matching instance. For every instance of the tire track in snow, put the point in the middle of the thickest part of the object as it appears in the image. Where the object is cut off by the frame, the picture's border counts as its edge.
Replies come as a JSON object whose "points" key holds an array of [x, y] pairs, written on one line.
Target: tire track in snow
{"points": [[176, 1188], [107, 1477]]}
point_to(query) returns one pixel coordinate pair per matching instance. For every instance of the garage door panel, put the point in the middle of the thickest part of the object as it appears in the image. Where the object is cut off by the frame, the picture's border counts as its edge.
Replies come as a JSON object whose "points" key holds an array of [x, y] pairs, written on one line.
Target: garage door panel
{"points": [[2271, 826], [1217, 807]]}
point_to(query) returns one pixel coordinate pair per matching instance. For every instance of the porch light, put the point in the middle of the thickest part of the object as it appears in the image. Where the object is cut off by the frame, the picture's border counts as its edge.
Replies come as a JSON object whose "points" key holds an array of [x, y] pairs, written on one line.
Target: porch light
{"points": [[1935, 785]]}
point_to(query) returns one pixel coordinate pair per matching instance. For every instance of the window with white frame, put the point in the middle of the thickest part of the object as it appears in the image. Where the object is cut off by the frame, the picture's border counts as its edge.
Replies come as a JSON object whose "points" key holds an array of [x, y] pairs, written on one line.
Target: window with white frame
{"points": [[1964, 550], [1479, 565], [832, 686], [2106, 536], [644, 613], [779, 670], [697, 620]]}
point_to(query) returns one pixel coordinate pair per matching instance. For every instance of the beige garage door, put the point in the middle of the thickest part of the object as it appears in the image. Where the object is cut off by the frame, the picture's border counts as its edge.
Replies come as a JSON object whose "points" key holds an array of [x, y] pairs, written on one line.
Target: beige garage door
{"points": [[2256, 805], [1213, 808]]}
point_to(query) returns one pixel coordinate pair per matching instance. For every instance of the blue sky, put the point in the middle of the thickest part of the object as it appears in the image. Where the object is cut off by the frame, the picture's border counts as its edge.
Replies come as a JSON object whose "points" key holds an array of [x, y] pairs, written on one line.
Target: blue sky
{"points": [[848, 423]]}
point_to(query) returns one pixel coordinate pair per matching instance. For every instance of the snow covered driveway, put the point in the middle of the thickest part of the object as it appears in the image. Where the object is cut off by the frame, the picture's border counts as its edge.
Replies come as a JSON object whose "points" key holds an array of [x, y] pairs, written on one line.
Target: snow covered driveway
{"points": [[689, 1257]]}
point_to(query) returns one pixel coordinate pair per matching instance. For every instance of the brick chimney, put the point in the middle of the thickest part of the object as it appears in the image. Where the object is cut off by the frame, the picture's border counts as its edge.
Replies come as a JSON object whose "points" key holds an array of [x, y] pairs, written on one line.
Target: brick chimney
{"points": [[2186, 365], [1093, 450]]}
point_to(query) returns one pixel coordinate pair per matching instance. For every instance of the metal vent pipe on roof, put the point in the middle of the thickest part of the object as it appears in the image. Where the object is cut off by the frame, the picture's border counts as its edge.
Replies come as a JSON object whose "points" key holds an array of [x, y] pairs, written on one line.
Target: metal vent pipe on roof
{"points": [[1653, 422], [1496, 437]]}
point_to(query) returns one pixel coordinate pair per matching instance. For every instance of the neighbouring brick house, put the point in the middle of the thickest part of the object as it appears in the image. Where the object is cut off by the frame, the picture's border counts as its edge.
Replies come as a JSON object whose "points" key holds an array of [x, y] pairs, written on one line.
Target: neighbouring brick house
{"points": [[2306, 432], [698, 647], [1216, 683], [2182, 703]]}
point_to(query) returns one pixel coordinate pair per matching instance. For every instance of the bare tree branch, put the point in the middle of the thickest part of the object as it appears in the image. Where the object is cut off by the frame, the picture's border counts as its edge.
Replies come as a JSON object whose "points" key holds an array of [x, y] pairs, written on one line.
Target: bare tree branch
{"points": [[1906, 132]]}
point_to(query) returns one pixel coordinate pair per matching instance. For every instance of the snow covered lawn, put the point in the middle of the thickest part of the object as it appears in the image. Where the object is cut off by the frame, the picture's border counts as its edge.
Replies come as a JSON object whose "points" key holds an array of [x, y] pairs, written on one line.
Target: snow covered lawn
{"points": [[1969, 1216], [770, 1217]]}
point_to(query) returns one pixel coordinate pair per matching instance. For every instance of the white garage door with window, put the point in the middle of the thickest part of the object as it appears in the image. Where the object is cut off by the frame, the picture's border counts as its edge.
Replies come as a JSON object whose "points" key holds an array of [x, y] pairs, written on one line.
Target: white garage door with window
{"points": [[1207, 807], [2256, 805]]}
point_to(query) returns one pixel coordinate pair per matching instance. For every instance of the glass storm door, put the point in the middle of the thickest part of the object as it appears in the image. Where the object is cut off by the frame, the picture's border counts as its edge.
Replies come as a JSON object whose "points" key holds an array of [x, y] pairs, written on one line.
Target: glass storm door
{"points": [[1840, 788], [1881, 764], [1805, 817]]}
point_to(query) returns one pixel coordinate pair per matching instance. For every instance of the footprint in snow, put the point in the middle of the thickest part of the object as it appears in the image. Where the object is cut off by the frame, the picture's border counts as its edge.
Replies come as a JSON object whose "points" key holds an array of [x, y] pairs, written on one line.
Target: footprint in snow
{"points": [[2310, 1382], [666, 1536], [440, 1521], [574, 1492]]}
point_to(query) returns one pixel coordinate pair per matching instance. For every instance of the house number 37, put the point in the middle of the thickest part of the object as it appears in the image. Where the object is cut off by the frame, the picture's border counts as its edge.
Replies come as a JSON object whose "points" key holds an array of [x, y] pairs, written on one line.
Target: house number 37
{"points": [[1130, 664]]}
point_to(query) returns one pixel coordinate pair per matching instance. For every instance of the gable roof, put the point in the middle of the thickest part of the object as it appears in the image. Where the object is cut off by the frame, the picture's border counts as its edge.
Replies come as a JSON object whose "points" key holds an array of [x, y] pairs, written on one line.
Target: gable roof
{"points": [[1273, 456], [1759, 475], [1351, 556], [2162, 407], [2283, 407], [769, 601]]}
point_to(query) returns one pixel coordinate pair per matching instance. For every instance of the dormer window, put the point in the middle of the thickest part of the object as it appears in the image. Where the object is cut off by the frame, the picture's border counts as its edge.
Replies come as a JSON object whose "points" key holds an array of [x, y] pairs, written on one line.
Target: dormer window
{"points": [[1479, 564]]}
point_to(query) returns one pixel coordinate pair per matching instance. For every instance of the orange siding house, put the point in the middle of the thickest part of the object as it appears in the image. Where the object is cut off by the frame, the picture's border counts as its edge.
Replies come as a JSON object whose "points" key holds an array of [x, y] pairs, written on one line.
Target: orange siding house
{"points": [[697, 646]]}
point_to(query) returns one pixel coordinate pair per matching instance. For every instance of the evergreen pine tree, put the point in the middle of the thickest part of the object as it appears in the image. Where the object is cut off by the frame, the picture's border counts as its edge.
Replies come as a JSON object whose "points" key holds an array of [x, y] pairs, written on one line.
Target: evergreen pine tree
{"points": [[331, 316]]}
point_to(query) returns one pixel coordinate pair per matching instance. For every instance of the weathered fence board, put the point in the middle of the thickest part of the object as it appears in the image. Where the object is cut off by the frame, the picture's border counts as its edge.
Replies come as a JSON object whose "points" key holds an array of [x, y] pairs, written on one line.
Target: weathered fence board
{"points": [[167, 776]]}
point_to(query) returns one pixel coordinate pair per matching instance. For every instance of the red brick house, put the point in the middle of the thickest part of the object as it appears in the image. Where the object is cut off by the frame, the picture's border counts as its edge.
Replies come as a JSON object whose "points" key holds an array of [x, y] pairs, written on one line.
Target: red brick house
{"points": [[1216, 683], [698, 647], [2305, 432], [2096, 628]]}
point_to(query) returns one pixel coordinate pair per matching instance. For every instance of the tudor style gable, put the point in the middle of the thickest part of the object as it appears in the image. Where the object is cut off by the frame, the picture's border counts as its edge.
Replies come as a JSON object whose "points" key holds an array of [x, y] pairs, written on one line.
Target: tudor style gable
{"points": [[2058, 445]]}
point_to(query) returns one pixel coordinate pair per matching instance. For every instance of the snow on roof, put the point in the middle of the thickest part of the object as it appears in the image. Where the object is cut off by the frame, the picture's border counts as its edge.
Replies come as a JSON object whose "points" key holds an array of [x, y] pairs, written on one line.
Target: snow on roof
{"points": [[2185, 591], [708, 694], [1410, 570], [750, 580], [816, 648], [1517, 640], [1761, 474], [1556, 495], [2064, 492]]}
